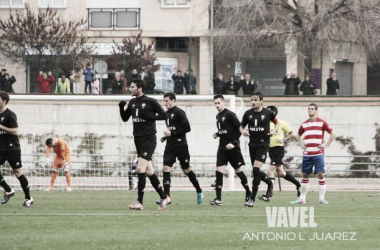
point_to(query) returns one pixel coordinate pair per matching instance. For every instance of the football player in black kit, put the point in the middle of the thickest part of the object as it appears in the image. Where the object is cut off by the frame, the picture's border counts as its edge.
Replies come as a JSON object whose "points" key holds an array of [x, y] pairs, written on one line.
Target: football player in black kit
{"points": [[176, 146], [10, 150], [229, 148], [144, 111], [258, 120]]}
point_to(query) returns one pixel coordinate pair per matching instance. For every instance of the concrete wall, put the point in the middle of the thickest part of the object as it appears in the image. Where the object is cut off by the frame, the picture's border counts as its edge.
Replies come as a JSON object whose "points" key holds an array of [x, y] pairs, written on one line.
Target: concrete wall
{"points": [[72, 121]]}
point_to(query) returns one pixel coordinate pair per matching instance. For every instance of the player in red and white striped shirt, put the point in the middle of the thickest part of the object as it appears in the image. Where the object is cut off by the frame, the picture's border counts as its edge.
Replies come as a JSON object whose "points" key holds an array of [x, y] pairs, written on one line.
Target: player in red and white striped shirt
{"points": [[313, 144]]}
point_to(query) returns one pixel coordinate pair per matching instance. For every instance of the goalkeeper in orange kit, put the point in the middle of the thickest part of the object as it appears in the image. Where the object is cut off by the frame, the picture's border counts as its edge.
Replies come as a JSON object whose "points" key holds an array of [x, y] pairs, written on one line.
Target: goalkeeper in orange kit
{"points": [[62, 159]]}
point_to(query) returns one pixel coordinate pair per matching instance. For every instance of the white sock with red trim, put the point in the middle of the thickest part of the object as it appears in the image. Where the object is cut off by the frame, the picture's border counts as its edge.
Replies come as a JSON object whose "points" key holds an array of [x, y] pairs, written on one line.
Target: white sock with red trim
{"points": [[322, 189], [304, 188]]}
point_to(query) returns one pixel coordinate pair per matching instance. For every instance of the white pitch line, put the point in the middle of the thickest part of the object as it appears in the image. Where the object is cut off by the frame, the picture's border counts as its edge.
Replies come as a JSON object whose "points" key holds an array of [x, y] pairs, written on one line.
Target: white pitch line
{"points": [[162, 214]]}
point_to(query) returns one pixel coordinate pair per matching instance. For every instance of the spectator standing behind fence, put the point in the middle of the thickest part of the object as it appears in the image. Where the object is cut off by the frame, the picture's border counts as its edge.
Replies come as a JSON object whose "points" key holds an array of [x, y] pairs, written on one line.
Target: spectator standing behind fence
{"points": [[133, 75], [124, 90], [45, 81], [63, 86], [332, 85], [75, 79], [308, 86], [232, 87], [150, 81], [95, 86], [88, 73], [7, 82], [248, 85], [291, 83], [179, 81], [117, 84], [219, 84], [191, 81], [3, 71]]}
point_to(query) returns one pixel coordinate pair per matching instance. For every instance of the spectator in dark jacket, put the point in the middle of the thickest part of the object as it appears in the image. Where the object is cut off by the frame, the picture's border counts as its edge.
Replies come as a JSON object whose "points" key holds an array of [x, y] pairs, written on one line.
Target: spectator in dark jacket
{"points": [[308, 87], [291, 83], [232, 87], [7, 82], [219, 84], [3, 71], [332, 85], [191, 80], [134, 75], [150, 81], [248, 85], [179, 81]]}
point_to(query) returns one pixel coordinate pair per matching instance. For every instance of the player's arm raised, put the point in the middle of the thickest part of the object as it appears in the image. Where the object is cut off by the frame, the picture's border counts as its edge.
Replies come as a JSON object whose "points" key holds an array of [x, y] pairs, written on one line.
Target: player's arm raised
{"points": [[124, 114]]}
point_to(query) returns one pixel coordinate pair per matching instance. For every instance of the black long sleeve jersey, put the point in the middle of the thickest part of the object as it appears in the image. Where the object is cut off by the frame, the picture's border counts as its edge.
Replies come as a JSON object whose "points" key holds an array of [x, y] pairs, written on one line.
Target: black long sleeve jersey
{"points": [[178, 124], [228, 128], [8, 142], [144, 111], [258, 126]]}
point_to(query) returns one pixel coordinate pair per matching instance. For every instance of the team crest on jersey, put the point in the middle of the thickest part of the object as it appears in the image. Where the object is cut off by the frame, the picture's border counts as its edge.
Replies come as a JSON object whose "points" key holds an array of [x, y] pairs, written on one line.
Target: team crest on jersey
{"points": [[250, 117], [172, 116], [262, 117], [133, 105], [143, 105], [223, 118], [2, 119]]}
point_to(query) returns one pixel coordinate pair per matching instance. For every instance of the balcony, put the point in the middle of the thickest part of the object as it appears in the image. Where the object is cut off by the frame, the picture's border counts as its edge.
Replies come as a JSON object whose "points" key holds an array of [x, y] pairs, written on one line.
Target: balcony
{"points": [[113, 19]]}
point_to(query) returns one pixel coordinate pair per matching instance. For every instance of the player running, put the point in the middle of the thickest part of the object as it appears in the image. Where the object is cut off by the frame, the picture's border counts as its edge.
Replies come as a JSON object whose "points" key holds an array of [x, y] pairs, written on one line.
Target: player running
{"points": [[229, 149], [258, 120], [176, 145], [10, 151], [276, 153], [144, 111]]}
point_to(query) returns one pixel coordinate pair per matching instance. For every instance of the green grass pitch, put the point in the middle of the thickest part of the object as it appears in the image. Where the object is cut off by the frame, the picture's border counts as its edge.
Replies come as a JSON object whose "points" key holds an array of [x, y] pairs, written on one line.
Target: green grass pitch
{"points": [[101, 220]]}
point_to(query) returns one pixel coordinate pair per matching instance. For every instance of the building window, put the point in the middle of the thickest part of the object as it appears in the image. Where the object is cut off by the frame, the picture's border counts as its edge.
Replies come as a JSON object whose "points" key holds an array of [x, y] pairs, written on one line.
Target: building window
{"points": [[11, 4], [52, 3], [175, 3], [175, 44], [114, 18]]}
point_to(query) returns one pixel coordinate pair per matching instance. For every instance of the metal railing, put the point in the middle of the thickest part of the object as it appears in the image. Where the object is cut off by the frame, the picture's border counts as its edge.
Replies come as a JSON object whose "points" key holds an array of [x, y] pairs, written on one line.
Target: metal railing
{"points": [[112, 173], [113, 19]]}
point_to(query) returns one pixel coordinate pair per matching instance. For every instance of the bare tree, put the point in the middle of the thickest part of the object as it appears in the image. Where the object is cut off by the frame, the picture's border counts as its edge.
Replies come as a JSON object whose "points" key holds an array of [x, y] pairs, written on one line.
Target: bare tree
{"points": [[43, 38], [132, 53], [313, 25]]}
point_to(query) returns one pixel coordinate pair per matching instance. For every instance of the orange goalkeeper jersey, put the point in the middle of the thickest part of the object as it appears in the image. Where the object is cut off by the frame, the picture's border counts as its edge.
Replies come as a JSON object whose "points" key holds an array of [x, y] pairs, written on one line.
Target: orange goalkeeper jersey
{"points": [[61, 149]]}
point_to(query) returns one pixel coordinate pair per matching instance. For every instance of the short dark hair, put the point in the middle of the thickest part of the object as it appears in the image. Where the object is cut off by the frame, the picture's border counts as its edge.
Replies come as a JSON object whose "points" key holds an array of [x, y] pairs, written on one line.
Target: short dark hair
{"points": [[4, 70], [315, 105], [274, 109], [139, 83], [88, 64], [221, 97], [179, 71], [6, 74], [171, 96], [261, 97], [49, 142], [4, 96]]}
